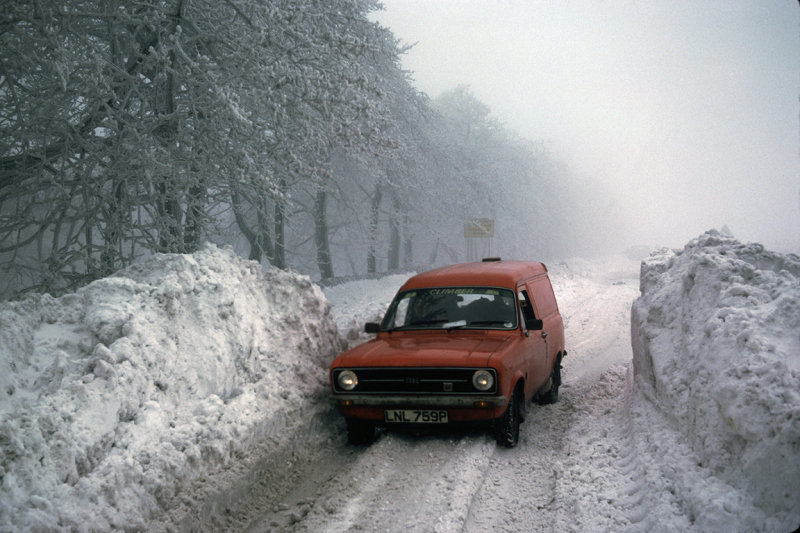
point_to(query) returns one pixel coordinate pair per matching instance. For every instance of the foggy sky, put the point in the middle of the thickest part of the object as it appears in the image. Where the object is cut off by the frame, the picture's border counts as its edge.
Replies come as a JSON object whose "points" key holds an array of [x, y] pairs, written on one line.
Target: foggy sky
{"points": [[687, 110]]}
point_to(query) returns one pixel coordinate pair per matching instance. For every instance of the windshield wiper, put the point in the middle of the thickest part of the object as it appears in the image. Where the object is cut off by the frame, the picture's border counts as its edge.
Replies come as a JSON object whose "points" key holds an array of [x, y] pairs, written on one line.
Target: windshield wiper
{"points": [[457, 324], [488, 322], [428, 322], [419, 323]]}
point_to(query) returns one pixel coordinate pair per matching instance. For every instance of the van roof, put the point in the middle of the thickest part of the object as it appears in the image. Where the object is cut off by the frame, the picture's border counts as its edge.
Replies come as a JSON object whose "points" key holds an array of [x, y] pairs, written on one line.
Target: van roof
{"points": [[493, 273]]}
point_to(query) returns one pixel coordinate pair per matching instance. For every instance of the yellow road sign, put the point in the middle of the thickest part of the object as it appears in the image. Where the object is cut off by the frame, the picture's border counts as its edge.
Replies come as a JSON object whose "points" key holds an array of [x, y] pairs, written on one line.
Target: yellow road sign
{"points": [[479, 227]]}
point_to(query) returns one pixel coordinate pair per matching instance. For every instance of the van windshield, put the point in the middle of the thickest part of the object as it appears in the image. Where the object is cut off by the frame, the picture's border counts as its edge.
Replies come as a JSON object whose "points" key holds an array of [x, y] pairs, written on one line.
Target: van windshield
{"points": [[452, 307]]}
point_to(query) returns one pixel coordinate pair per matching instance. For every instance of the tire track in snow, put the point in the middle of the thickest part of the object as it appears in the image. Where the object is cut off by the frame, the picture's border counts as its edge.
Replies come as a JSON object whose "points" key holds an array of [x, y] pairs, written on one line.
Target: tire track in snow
{"points": [[520, 482], [401, 483], [568, 470]]}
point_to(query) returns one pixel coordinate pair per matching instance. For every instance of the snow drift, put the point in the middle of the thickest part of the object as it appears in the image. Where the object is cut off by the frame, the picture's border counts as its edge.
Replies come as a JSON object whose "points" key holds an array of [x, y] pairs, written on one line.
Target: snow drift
{"points": [[716, 345], [117, 395]]}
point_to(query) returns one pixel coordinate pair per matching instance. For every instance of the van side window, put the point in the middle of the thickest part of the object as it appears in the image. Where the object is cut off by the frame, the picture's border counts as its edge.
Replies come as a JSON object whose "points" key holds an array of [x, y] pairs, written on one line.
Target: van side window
{"points": [[525, 306]]}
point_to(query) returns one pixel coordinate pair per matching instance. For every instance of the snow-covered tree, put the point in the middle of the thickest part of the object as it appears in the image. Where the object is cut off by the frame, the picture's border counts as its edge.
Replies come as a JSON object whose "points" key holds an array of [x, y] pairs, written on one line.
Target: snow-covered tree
{"points": [[286, 127], [130, 128]]}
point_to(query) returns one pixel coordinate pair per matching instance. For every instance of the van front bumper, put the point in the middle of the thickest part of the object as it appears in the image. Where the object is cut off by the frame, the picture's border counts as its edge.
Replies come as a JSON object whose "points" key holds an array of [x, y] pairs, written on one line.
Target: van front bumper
{"points": [[394, 400]]}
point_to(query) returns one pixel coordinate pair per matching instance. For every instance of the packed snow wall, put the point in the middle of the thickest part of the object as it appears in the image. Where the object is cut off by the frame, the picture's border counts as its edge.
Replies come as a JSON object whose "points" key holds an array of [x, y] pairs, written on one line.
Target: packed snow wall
{"points": [[716, 345], [118, 395]]}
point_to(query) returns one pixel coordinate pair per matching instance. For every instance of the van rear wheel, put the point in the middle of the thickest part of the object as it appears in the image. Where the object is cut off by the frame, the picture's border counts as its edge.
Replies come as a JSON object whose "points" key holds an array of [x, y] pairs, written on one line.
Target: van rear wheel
{"points": [[551, 394]]}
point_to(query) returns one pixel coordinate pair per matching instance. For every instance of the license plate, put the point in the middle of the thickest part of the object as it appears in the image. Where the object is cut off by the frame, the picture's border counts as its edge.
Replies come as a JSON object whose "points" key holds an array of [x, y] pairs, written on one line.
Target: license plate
{"points": [[415, 416]]}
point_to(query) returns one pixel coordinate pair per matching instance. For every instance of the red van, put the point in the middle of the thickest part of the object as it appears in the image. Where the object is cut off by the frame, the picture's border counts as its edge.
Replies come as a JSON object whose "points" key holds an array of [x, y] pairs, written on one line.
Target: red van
{"points": [[466, 343]]}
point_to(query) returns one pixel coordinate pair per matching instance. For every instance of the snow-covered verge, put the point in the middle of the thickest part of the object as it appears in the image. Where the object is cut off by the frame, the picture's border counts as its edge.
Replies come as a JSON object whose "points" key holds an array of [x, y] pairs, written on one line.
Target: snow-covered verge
{"points": [[118, 396], [358, 302], [716, 346]]}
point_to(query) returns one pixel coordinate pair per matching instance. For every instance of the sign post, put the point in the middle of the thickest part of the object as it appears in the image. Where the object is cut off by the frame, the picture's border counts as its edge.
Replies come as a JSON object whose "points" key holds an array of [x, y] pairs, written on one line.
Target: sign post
{"points": [[475, 231]]}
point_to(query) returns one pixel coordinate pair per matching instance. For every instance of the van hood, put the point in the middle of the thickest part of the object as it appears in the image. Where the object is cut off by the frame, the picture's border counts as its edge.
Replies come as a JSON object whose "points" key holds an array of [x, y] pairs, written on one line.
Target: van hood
{"points": [[435, 349]]}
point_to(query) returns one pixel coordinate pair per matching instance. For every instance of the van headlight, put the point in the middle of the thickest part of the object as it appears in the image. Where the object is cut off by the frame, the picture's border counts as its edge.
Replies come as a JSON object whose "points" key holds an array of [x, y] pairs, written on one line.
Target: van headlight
{"points": [[482, 380], [347, 380]]}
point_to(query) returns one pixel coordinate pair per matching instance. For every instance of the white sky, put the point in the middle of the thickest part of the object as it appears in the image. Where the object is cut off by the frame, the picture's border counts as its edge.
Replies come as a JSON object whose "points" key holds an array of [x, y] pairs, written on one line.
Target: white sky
{"points": [[689, 110]]}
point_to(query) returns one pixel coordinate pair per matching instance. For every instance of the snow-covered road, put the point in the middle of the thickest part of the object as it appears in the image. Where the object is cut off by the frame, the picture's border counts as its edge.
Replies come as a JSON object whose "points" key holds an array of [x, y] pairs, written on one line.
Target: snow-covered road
{"points": [[189, 393], [585, 463]]}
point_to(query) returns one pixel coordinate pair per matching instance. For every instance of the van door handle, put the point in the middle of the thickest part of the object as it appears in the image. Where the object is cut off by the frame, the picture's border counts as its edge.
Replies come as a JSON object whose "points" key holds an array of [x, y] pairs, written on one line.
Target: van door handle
{"points": [[544, 334]]}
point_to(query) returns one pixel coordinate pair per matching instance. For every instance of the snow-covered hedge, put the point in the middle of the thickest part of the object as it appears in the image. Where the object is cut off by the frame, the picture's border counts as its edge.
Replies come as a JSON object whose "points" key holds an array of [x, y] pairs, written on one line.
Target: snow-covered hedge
{"points": [[716, 345], [115, 396]]}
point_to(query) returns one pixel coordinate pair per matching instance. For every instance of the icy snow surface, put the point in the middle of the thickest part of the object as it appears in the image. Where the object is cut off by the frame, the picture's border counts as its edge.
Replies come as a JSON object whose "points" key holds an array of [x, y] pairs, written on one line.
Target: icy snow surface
{"points": [[189, 393]]}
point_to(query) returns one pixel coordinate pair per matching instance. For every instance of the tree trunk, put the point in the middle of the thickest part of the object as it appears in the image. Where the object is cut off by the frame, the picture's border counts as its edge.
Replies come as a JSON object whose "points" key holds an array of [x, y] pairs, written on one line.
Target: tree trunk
{"points": [[195, 202], [394, 236], [258, 239], [263, 235], [321, 235], [279, 259], [168, 205], [372, 266], [434, 254], [112, 232], [408, 251], [169, 218]]}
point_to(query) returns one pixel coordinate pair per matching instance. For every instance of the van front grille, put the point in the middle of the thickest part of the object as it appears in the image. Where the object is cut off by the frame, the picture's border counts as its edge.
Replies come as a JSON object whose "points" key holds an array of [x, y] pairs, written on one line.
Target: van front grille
{"points": [[415, 381]]}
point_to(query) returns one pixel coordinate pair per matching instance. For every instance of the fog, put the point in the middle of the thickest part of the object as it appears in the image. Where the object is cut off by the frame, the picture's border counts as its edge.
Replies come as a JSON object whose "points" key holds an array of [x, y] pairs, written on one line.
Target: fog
{"points": [[687, 113]]}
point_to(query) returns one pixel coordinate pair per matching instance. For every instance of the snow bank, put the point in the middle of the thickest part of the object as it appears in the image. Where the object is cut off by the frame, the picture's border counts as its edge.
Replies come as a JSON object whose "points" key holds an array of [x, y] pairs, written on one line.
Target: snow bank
{"points": [[358, 302], [117, 395], [716, 345]]}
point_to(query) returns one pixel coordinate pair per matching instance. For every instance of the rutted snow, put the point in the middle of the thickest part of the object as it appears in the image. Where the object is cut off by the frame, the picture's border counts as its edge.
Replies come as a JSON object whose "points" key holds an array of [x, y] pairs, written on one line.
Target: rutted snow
{"points": [[189, 392]]}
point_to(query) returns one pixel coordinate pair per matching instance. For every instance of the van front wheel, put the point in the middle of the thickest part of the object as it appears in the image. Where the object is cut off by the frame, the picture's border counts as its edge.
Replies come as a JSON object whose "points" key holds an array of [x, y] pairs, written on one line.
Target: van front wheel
{"points": [[508, 425], [360, 432]]}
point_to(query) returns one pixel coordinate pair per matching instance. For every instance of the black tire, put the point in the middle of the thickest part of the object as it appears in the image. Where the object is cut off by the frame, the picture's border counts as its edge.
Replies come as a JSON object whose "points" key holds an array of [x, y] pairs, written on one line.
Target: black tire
{"points": [[551, 394], [507, 430], [360, 432]]}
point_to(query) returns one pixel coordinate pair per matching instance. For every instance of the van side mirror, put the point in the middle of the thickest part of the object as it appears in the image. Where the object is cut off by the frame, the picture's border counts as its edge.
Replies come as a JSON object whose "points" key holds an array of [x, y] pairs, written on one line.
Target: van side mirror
{"points": [[535, 324], [373, 327]]}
